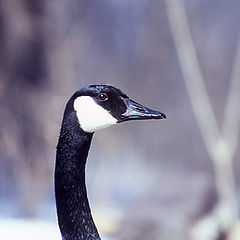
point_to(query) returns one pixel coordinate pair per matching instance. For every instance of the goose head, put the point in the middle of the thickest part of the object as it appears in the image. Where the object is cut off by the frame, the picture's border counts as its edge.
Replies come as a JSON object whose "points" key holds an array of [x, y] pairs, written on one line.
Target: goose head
{"points": [[101, 106]]}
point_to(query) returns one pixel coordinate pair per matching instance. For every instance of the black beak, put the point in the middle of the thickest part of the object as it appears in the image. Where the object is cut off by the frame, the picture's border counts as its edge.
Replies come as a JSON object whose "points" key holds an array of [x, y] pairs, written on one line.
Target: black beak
{"points": [[136, 111]]}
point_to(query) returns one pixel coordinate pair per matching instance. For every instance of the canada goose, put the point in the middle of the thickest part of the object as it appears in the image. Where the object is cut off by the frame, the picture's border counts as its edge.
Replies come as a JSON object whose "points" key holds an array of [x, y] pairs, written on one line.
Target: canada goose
{"points": [[89, 109]]}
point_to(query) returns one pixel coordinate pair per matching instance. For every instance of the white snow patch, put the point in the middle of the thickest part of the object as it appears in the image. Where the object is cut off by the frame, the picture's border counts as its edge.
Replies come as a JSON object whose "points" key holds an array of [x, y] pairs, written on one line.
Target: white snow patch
{"points": [[21, 229]]}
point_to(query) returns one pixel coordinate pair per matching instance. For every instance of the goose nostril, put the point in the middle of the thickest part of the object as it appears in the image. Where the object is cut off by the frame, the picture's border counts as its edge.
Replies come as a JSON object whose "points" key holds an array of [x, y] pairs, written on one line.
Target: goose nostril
{"points": [[140, 109]]}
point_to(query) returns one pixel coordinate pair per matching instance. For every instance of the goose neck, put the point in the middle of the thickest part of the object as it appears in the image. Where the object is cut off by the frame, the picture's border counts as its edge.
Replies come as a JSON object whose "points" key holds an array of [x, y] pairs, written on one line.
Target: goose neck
{"points": [[73, 210]]}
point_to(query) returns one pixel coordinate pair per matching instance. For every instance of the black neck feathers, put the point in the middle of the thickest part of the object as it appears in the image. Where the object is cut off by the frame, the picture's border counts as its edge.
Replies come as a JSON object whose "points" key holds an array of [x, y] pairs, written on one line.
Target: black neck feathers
{"points": [[74, 214]]}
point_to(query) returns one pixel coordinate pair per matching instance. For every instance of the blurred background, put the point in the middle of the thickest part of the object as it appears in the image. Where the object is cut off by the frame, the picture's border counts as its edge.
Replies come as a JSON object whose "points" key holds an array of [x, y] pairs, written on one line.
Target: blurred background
{"points": [[175, 179]]}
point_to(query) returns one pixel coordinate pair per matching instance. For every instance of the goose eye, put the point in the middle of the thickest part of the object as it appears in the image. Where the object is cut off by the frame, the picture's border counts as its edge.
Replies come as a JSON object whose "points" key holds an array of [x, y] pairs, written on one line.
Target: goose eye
{"points": [[103, 97]]}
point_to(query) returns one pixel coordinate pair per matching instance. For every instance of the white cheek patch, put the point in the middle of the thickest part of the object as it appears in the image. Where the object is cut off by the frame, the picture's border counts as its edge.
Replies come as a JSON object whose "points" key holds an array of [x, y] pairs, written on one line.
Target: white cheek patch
{"points": [[91, 116]]}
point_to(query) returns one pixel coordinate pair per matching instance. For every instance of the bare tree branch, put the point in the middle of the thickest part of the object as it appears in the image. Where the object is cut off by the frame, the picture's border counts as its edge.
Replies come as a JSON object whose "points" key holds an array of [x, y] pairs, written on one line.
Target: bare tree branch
{"points": [[231, 122], [192, 73], [220, 146]]}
